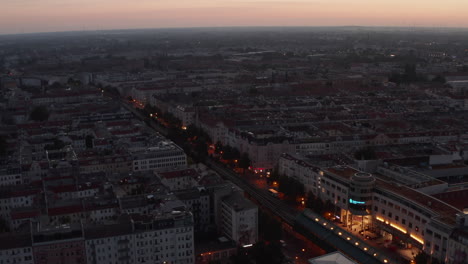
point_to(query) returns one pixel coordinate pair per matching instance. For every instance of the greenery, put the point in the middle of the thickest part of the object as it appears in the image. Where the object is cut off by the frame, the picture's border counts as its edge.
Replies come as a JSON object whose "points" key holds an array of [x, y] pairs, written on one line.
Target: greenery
{"points": [[314, 203], [253, 90], [228, 153], [244, 161], [291, 188], [3, 145], [421, 258], [58, 144], [409, 76], [112, 90], [439, 79], [89, 141], [260, 253], [4, 226], [366, 153], [268, 227], [39, 113], [73, 82], [318, 205], [271, 253]]}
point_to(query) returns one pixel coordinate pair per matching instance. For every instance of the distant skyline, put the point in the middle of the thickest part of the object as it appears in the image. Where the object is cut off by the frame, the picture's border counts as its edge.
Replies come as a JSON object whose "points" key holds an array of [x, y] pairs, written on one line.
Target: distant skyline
{"points": [[27, 16]]}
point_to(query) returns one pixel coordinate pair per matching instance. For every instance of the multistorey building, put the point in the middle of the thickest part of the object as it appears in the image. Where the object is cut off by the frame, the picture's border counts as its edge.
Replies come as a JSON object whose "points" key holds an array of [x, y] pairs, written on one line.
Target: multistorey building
{"points": [[16, 248], [396, 211], [239, 219], [10, 175], [165, 237], [165, 154], [197, 201]]}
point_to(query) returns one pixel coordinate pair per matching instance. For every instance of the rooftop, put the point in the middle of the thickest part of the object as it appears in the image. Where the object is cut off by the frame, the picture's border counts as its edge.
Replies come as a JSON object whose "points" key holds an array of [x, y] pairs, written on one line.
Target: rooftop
{"points": [[238, 202]]}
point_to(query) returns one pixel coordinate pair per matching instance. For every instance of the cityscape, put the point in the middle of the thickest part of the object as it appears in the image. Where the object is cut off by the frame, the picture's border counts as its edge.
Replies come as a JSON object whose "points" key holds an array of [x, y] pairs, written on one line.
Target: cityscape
{"points": [[235, 145]]}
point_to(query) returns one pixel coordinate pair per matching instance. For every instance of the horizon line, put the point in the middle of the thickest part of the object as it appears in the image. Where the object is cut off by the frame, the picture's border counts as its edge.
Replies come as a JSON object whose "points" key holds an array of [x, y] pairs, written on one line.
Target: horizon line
{"points": [[237, 27]]}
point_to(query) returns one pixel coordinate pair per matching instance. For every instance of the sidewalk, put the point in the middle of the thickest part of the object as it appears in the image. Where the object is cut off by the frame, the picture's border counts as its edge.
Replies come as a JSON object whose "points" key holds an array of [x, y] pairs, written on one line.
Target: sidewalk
{"points": [[375, 248], [386, 246]]}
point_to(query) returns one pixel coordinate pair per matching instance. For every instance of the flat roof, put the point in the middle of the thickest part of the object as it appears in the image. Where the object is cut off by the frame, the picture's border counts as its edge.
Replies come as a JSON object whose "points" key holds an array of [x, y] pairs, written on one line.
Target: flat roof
{"points": [[343, 171], [458, 199], [332, 258], [446, 212]]}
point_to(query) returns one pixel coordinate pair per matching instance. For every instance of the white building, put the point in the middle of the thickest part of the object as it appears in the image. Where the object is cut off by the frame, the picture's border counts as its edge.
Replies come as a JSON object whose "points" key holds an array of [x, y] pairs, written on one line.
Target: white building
{"points": [[179, 179], [16, 249], [163, 238], [397, 211], [239, 219], [10, 175], [197, 201], [165, 154], [21, 196]]}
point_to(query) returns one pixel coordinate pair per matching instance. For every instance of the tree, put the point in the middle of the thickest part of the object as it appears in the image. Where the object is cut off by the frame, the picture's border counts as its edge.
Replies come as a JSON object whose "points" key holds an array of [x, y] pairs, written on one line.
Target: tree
{"points": [[192, 131], [267, 254], [228, 153], [89, 141], [3, 145], [366, 153], [274, 176], [268, 227], [218, 146], [39, 113], [236, 154], [421, 258], [4, 226], [201, 149], [244, 161], [149, 109], [439, 79], [314, 203], [242, 256], [292, 188], [58, 144]]}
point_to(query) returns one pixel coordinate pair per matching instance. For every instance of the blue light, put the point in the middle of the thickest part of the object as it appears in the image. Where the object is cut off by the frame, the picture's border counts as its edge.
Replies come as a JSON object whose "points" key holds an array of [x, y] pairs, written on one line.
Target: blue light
{"points": [[355, 202]]}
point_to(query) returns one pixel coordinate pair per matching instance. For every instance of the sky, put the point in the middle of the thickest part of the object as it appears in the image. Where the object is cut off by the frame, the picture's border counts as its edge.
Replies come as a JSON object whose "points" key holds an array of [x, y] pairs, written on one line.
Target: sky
{"points": [[25, 16]]}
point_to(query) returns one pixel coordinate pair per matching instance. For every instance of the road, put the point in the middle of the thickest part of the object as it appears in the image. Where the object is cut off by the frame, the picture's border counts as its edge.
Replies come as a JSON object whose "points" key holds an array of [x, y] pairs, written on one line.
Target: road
{"points": [[295, 242], [278, 207]]}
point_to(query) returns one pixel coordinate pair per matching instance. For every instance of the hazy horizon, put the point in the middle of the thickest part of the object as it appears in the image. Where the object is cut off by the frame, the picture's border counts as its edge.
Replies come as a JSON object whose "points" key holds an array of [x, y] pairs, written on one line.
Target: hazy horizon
{"points": [[35, 16]]}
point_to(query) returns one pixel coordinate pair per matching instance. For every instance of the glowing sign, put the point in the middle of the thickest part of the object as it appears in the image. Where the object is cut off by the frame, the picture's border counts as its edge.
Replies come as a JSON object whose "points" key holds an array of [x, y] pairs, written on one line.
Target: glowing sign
{"points": [[356, 202]]}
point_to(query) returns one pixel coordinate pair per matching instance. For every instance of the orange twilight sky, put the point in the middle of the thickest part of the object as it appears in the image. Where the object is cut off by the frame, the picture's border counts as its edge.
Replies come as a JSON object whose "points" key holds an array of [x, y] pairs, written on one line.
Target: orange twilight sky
{"points": [[22, 16]]}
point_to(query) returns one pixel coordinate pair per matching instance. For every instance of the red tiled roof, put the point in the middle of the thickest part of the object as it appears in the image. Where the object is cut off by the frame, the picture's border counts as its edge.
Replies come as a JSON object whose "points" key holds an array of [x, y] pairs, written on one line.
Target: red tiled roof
{"points": [[25, 214], [181, 173], [458, 199], [70, 209]]}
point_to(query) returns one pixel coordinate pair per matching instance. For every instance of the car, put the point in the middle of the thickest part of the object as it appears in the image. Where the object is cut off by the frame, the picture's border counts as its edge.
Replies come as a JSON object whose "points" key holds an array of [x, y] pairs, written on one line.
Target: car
{"points": [[283, 243]]}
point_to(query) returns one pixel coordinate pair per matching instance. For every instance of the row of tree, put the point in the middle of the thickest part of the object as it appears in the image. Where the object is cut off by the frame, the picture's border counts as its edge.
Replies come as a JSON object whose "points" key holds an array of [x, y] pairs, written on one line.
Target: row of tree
{"points": [[260, 253], [290, 187], [233, 156]]}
